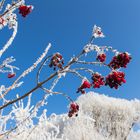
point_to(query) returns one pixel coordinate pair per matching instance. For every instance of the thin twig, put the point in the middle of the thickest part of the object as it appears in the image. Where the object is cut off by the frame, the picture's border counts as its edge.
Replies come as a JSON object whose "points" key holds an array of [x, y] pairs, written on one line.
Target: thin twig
{"points": [[40, 68], [64, 94], [92, 63], [10, 8], [85, 69], [1, 4], [76, 73]]}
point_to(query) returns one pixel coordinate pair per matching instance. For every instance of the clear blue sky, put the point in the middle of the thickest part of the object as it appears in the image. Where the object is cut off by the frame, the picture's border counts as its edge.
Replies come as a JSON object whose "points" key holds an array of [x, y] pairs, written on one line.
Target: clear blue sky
{"points": [[67, 24]]}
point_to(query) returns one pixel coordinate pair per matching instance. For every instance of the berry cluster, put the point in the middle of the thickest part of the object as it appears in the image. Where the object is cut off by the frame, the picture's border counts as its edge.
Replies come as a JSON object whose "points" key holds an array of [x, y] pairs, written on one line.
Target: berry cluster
{"points": [[98, 80], [121, 60], [101, 57], [74, 108], [25, 10], [85, 84], [56, 61], [115, 79]]}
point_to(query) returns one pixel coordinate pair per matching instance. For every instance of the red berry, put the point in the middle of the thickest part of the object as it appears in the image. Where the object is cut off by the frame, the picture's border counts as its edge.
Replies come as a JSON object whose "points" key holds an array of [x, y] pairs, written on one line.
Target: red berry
{"points": [[101, 57], [85, 84], [11, 75], [25, 10], [56, 61], [74, 108], [99, 32], [83, 91]]}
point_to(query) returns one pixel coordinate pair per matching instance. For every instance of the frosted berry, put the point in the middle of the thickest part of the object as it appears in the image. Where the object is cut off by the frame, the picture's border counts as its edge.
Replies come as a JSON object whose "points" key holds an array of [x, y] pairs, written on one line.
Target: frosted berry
{"points": [[85, 84], [121, 60], [56, 61], [11, 75], [115, 79], [98, 80], [101, 57], [97, 32], [74, 108]]}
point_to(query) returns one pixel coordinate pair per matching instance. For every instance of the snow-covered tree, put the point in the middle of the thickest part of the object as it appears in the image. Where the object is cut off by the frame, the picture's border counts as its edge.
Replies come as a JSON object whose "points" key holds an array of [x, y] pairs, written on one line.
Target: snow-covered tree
{"points": [[91, 117]]}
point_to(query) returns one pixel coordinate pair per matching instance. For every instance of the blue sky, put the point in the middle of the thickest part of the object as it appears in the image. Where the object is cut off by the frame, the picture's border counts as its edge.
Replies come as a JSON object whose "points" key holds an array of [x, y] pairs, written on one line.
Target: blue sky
{"points": [[68, 26]]}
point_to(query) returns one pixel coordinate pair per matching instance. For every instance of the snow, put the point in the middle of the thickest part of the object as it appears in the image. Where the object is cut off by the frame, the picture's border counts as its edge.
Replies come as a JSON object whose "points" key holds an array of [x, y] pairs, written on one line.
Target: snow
{"points": [[100, 118]]}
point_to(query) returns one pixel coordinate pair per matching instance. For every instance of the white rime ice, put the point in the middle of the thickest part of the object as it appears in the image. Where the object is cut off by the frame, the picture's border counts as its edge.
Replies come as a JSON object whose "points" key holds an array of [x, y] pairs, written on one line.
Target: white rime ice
{"points": [[100, 118]]}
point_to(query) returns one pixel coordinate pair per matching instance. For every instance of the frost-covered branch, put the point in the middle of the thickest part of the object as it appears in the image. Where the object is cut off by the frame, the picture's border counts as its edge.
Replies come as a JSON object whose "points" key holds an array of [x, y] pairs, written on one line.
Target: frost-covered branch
{"points": [[92, 63], [30, 69], [12, 7], [10, 40]]}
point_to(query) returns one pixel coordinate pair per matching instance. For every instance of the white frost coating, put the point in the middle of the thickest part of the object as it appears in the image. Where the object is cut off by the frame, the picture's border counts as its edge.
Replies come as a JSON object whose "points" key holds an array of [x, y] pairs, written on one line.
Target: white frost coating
{"points": [[90, 47], [18, 85], [97, 32], [100, 118], [113, 117], [7, 67], [3, 89], [55, 82], [30, 69], [6, 46]]}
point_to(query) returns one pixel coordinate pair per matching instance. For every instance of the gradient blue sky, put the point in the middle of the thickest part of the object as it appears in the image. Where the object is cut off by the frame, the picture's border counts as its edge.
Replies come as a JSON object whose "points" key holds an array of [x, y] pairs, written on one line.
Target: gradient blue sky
{"points": [[67, 24]]}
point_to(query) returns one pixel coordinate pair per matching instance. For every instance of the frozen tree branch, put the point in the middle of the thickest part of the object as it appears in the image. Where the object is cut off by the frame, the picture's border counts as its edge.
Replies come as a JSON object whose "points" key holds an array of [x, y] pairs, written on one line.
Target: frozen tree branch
{"points": [[92, 63], [30, 69], [9, 41]]}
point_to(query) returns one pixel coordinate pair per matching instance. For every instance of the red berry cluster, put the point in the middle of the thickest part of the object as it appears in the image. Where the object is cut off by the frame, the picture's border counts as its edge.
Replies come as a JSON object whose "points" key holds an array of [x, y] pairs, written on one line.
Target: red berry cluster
{"points": [[98, 80], [56, 61], [85, 84], [115, 79], [101, 57], [25, 10], [121, 60], [74, 108]]}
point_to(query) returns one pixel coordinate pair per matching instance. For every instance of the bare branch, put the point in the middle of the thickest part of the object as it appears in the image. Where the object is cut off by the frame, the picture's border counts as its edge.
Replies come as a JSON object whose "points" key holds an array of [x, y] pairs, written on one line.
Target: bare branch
{"points": [[85, 69], [52, 92], [40, 68], [76, 73]]}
